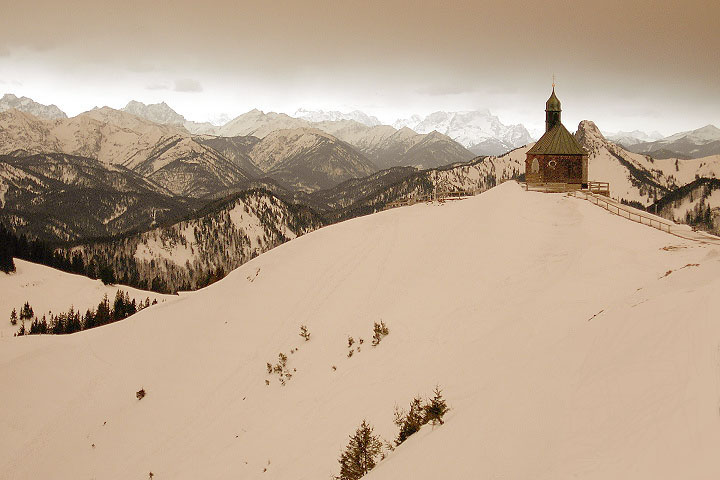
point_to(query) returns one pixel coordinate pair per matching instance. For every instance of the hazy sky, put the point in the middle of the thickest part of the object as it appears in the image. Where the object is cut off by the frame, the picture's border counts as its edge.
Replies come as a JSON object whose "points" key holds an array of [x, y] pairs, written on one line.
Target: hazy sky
{"points": [[649, 65]]}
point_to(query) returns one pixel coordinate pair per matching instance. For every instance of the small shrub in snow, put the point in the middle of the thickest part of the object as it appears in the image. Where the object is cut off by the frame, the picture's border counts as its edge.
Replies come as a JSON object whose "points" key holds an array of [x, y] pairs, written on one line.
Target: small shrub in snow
{"points": [[304, 332], [380, 331], [140, 394], [361, 453], [280, 368]]}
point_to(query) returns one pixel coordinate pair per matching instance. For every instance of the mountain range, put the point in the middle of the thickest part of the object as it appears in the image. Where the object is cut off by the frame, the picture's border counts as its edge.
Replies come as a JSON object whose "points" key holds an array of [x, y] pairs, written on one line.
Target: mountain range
{"points": [[98, 153], [691, 144], [124, 172]]}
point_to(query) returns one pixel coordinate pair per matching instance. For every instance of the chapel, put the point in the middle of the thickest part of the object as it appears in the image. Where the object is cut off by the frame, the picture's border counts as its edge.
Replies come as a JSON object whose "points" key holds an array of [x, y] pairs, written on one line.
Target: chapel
{"points": [[557, 159]]}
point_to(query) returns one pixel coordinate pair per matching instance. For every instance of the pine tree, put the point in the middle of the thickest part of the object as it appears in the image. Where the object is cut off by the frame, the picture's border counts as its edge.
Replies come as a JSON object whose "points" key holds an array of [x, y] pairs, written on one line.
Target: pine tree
{"points": [[13, 317], [26, 313], [360, 454], [411, 422], [437, 408], [102, 314]]}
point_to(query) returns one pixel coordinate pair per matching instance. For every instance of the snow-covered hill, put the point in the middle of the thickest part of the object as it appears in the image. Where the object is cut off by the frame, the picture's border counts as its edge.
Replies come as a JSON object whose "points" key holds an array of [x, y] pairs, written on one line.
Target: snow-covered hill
{"points": [[569, 342], [49, 290], [28, 105], [479, 131]]}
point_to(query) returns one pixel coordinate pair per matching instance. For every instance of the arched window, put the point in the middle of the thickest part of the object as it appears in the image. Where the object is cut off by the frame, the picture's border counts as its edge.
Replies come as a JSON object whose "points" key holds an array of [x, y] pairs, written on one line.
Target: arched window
{"points": [[535, 167]]}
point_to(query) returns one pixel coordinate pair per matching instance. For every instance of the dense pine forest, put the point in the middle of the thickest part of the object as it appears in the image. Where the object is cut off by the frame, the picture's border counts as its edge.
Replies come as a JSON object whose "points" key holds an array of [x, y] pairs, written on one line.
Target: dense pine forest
{"points": [[73, 320]]}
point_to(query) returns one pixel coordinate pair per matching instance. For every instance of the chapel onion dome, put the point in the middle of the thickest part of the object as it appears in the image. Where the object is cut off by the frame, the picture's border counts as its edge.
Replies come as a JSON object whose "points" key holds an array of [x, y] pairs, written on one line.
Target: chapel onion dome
{"points": [[553, 104]]}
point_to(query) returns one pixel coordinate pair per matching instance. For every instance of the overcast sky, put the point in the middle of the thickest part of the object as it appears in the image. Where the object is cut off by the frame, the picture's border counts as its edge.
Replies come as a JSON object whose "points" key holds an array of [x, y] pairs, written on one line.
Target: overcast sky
{"points": [[648, 65]]}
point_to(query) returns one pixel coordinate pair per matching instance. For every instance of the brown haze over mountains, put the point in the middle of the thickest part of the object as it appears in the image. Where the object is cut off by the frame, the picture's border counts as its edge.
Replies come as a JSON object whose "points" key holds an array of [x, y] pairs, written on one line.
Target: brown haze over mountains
{"points": [[627, 65]]}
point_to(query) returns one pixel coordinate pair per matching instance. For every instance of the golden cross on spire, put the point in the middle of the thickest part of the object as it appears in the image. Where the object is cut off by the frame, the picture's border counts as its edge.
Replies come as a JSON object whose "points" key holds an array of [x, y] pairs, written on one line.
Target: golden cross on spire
{"points": [[553, 81]]}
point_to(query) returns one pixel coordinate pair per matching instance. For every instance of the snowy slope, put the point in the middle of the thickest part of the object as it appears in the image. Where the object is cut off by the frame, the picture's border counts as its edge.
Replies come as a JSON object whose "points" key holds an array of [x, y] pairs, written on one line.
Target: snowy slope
{"points": [[493, 297], [49, 290]]}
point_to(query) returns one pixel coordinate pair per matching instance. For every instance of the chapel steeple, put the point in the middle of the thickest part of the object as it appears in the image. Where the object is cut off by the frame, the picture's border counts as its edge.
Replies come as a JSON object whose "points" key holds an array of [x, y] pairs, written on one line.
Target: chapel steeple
{"points": [[552, 111]]}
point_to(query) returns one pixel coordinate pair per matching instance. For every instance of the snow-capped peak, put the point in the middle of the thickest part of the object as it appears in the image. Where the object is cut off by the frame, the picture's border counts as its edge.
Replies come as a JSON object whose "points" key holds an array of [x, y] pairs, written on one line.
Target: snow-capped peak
{"points": [[316, 116], [634, 137], [470, 128], [700, 136]]}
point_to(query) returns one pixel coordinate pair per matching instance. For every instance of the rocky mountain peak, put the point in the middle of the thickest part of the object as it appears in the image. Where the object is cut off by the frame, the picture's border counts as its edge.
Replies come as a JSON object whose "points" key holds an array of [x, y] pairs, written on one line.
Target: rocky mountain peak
{"points": [[28, 105], [156, 112]]}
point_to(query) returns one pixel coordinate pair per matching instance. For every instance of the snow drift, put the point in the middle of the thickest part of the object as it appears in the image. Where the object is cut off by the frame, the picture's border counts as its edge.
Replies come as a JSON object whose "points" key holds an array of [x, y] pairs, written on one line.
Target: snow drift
{"points": [[570, 343]]}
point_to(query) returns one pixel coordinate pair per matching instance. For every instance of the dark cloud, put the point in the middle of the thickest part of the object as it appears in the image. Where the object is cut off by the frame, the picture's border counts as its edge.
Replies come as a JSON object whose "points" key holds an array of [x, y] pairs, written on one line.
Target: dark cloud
{"points": [[187, 85]]}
